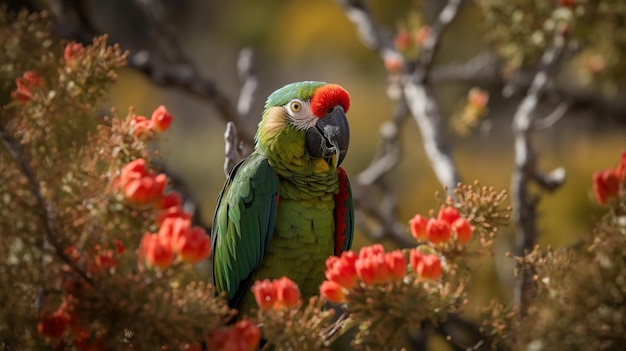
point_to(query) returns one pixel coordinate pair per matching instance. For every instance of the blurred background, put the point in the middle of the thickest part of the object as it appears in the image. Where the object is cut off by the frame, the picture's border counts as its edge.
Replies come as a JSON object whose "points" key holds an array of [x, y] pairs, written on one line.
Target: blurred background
{"points": [[295, 40]]}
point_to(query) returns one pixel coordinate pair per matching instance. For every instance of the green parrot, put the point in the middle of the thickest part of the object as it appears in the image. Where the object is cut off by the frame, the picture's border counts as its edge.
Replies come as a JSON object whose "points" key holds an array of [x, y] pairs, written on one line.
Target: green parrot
{"points": [[288, 206]]}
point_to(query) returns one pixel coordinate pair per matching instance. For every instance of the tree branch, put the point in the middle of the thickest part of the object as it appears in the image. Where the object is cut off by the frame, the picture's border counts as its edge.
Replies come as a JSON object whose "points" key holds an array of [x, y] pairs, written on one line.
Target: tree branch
{"points": [[43, 209], [526, 171]]}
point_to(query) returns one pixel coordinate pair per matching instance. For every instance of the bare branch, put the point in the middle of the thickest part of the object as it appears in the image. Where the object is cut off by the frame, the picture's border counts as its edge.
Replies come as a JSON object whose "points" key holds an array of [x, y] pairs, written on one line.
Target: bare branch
{"points": [[232, 152], [525, 171], [247, 75]]}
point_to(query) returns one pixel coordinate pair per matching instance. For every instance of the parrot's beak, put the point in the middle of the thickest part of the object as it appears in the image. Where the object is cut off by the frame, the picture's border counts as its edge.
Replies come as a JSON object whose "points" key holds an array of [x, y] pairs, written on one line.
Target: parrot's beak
{"points": [[330, 137]]}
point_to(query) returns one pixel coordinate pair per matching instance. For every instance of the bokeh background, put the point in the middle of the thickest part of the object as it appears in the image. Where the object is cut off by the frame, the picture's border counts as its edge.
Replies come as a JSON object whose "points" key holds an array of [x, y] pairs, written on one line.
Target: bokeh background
{"points": [[296, 40]]}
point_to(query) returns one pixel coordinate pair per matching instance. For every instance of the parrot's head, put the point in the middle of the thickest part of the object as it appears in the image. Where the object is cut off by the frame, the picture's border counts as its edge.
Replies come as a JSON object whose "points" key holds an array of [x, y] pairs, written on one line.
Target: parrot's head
{"points": [[306, 119]]}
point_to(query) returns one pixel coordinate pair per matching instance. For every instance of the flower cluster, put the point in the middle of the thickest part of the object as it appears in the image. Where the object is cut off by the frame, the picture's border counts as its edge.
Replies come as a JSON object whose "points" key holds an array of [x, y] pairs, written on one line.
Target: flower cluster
{"points": [[607, 183], [373, 266], [175, 235], [64, 321], [243, 336], [141, 127], [73, 53], [448, 226], [276, 294]]}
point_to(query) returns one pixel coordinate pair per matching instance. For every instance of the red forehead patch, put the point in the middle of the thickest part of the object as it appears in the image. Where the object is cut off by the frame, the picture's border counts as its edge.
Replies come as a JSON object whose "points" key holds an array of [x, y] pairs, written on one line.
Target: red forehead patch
{"points": [[327, 96]]}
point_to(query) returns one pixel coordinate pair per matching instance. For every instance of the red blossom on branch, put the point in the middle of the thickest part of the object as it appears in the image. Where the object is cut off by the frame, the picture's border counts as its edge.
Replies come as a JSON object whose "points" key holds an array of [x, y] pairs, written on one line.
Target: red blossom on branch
{"points": [[29, 81], [72, 53], [276, 294], [332, 291], [243, 336], [417, 224], [426, 266], [605, 185], [157, 252]]}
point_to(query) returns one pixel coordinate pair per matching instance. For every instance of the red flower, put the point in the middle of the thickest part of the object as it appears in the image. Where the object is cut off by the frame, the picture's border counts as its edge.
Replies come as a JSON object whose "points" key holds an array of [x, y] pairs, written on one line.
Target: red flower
{"points": [[372, 250], [193, 245], [438, 231], [52, 325], [104, 259], [418, 227], [25, 85], [157, 252], [119, 246], [396, 264], [332, 291], [372, 269], [605, 185], [73, 52], [138, 185], [171, 199], [426, 266], [448, 214], [402, 40], [463, 230], [287, 292], [140, 126], [174, 228], [161, 119], [394, 63], [145, 189], [226, 339], [265, 294], [341, 269], [249, 333]]}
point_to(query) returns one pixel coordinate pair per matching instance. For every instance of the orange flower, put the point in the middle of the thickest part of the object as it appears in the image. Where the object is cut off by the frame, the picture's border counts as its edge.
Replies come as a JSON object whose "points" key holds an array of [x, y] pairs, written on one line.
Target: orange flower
{"points": [[287, 292], [426, 266], [264, 293], [448, 214], [52, 325], [605, 185], [341, 269], [372, 250], [25, 85], [249, 333], [421, 35], [193, 245], [73, 52], [156, 252], [396, 264], [332, 291], [161, 119], [418, 227], [133, 170], [463, 230], [438, 231]]}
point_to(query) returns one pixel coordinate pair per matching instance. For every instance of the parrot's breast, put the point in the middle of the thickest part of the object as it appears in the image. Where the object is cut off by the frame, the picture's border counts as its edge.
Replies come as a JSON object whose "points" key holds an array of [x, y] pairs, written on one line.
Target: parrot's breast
{"points": [[304, 234]]}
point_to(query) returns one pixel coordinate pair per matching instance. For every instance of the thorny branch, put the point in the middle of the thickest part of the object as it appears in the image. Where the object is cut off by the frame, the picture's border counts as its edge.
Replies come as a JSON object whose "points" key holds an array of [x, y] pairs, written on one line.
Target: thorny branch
{"points": [[526, 171]]}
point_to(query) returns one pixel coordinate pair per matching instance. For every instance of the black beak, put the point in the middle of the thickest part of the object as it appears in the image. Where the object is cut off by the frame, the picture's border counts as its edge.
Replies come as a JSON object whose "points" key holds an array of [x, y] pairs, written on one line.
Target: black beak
{"points": [[330, 137]]}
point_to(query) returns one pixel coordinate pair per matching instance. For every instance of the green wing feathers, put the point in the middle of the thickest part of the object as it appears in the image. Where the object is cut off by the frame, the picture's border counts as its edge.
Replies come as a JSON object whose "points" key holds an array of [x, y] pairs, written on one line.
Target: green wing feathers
{"points": [[243, 225]]}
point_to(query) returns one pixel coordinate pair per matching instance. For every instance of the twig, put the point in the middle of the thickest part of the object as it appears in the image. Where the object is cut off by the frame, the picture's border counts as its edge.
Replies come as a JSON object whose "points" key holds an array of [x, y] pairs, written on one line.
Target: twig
{"points": [[525, 171], [232, 152], [43, 209], [247, 75]]}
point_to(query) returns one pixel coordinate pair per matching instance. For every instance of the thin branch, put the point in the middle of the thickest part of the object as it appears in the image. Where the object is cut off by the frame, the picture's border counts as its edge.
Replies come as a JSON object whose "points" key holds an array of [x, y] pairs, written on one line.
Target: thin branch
{"points": [[232, 151], [247, 75], [44, 210], [525, 171]]}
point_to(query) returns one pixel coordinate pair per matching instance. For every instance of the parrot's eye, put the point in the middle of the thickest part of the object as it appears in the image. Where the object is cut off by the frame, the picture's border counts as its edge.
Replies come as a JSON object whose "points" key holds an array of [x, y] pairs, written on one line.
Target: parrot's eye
{"points": [[295, 106]]}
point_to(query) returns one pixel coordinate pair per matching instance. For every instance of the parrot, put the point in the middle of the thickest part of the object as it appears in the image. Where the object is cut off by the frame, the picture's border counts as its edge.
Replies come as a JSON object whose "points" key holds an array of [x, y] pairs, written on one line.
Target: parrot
{"points": [[288, 206]]}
